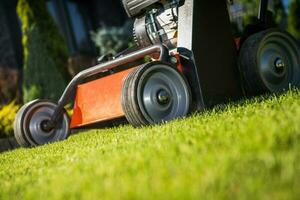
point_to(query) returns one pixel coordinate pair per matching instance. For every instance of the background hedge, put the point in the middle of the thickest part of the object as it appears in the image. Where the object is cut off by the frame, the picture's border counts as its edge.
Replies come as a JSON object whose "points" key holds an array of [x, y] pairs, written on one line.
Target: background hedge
{"points": [[45, 52]]}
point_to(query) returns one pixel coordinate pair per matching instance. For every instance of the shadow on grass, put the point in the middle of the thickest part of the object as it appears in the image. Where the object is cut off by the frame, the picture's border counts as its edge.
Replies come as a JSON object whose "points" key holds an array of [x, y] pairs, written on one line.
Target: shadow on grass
{"points": [[246, 101], [8, 144]]}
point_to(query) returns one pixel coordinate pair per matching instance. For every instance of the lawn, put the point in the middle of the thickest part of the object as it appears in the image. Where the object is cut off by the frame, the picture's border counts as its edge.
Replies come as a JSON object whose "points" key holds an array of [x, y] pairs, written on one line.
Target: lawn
{"points": [[249, 150]]}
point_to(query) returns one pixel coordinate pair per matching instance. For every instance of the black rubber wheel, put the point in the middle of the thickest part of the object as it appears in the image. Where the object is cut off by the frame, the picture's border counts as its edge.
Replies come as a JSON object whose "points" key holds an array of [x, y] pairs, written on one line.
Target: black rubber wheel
{"points": [[28, 124], [269, 61], [154, 93]]}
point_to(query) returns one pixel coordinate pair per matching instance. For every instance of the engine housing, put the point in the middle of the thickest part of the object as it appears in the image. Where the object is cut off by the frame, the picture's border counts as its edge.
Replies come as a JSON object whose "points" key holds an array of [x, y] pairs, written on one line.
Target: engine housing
{"points": [[158, 25], [134, 8]]}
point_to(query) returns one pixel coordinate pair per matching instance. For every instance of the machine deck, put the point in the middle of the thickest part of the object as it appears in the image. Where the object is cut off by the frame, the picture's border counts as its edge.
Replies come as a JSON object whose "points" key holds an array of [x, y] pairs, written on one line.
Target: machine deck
{"points": [[99, 100]]}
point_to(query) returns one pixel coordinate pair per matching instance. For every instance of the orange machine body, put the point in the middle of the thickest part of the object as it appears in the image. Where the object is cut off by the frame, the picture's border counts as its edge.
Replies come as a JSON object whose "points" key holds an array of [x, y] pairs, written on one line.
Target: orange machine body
{"points": [[98, 101]]}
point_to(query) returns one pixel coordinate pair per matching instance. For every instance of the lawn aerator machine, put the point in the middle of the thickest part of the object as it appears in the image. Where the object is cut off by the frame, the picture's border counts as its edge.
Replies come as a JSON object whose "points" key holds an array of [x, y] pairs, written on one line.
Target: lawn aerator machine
{"points": [[193, 63]]}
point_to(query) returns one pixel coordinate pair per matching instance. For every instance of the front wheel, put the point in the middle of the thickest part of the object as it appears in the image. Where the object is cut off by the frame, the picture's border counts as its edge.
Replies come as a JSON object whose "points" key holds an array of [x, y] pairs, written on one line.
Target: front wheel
{"points": [[28, 124], [269, 61], [154, 93]]}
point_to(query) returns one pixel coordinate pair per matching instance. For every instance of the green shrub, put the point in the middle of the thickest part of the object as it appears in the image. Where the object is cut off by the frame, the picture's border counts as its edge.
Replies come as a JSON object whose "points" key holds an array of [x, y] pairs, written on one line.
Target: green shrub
{"points": [[112, 39], [7, 116], [248, 14], [45, 52], [294, 18], [41, 77]]}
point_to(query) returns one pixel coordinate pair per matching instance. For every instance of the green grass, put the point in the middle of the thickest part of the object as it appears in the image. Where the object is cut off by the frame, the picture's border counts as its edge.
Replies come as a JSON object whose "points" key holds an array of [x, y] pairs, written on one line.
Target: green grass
{"points": [[246, 151]]}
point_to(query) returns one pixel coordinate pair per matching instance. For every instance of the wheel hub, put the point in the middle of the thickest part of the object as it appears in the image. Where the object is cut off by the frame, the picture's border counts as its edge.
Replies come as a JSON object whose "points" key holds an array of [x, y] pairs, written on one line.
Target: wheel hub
{"points": [[163, 97], [279, 65], [45, 126]]}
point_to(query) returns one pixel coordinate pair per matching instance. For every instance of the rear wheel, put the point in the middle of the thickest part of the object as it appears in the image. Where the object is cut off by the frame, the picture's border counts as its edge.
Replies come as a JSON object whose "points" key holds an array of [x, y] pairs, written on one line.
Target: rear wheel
{"points": [[154, 93], [28, 125], [269, 61]]}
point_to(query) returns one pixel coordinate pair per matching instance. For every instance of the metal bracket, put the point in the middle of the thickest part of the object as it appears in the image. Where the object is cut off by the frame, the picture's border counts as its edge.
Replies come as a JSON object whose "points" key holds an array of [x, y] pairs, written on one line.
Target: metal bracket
{"points": [[263, 10], [204, 29]]}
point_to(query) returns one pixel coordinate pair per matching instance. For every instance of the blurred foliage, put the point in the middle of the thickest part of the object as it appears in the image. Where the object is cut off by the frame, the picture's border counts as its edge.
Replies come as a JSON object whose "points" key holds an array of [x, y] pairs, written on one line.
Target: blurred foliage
{"points": [[249, 11], [280, 16], [286, 19], [41, 77], [112, 40], [45, 52], [7, 116], [294, 18], [9, 78]]}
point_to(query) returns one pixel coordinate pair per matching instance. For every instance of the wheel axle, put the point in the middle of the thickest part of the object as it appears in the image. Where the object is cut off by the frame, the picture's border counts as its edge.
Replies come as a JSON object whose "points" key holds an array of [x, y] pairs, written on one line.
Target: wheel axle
{"points": [[47, 126], [279, 64], [163, 97]]}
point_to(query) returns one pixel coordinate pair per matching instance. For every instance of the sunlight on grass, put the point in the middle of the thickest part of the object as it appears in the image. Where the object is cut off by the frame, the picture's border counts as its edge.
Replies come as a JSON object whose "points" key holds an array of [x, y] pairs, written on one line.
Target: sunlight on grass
{"points": [[250, 150]]}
